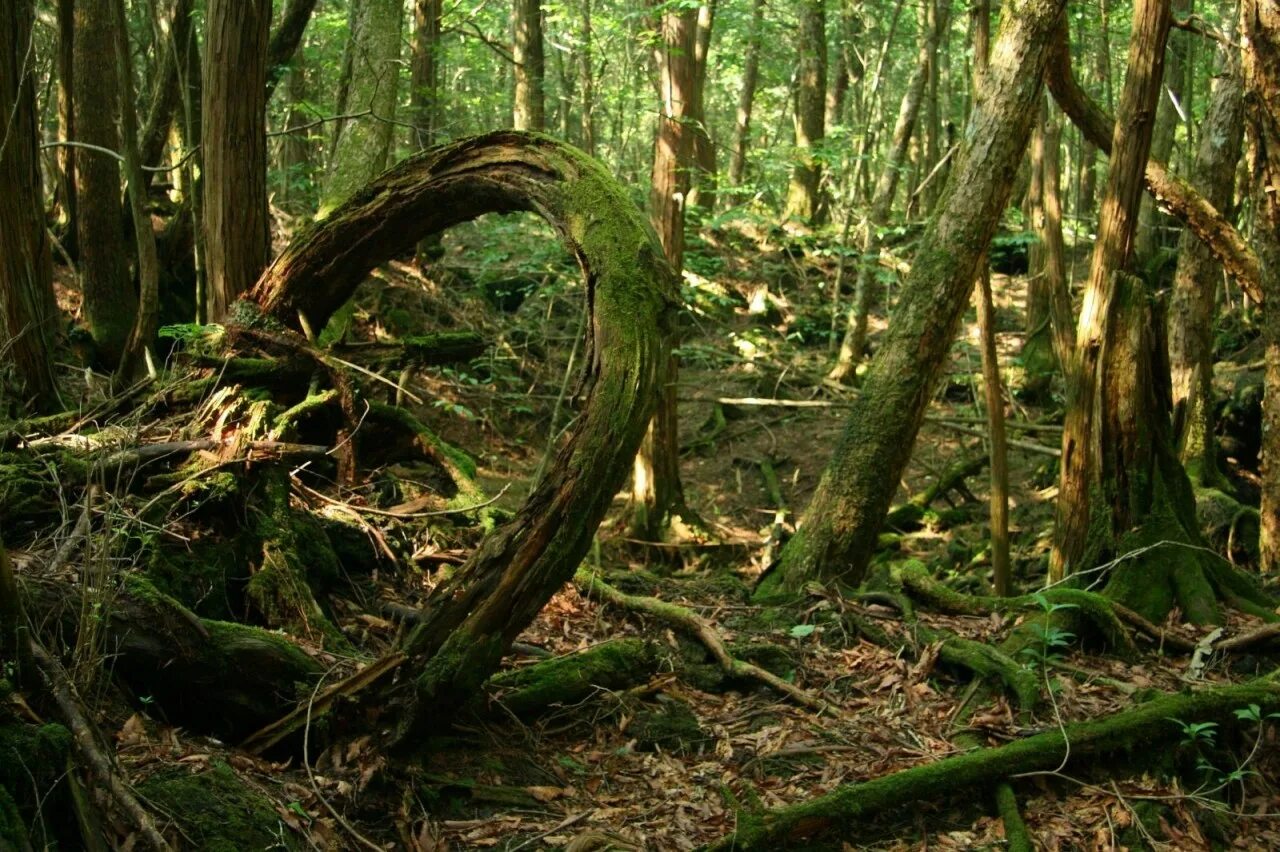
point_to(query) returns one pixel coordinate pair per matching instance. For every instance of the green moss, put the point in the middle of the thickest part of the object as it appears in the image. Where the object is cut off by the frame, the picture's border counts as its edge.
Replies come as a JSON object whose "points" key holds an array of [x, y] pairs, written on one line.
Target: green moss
{"points": [[32, 751], [669, 726], [13, 830], [217, 811], [616, 664], [199, 576], [769, 656]]}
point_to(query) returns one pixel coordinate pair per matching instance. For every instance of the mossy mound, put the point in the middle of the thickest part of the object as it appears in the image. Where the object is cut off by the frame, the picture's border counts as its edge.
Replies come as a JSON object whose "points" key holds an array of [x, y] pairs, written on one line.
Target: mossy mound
{"points": [[616, 664], [669, 726], [217, 812]]}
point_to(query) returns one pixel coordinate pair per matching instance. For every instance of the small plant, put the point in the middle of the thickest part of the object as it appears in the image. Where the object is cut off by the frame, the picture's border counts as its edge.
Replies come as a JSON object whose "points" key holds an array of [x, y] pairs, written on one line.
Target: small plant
{"points": [[1197, 733]]}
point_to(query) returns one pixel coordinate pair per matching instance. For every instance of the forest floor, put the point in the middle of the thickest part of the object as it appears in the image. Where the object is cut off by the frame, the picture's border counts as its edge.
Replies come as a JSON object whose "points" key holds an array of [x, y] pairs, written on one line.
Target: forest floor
{"points": [[661, 765]]}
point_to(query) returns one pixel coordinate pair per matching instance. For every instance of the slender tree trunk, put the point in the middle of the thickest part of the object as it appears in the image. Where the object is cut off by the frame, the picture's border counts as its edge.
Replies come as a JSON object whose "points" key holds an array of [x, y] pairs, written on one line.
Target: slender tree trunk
{"points": [[746, 98], [530, 66], [1050, 326], [855, 336], [286, 39], [848, 67], [838, 531], [1260, 24], [363, 146], [165, 93], [657, 495], [137, 360], [67, 122], [424, 94], [587, 72], [1148, 240], [236, 227], [1197, 281], [1120, 483], [295, 148], [702, 188], [804, 201], [28, 315], [1101, 72], [110, 301]]}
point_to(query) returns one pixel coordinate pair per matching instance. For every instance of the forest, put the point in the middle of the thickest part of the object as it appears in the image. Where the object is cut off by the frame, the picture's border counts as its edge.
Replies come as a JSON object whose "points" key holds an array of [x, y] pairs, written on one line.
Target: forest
{"points": [[667, 425]]}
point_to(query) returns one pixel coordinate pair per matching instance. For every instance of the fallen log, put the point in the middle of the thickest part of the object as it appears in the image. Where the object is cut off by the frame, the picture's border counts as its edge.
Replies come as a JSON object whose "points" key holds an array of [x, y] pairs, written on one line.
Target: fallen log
{"points": [[1059, 750]]}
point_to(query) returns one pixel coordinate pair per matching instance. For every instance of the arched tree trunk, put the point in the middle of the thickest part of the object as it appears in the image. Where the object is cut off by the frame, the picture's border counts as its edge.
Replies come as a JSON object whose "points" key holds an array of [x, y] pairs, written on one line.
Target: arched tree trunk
{"points": [[472, 618], [838, 532], [1196, 283], [804, 201], [28, 315], [110, 302], [530, 66], [237, 233]]}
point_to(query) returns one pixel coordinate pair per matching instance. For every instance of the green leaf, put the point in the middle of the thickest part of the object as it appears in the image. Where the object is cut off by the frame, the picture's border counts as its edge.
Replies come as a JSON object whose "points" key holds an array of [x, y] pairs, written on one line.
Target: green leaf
{"points": [[800, 631]]}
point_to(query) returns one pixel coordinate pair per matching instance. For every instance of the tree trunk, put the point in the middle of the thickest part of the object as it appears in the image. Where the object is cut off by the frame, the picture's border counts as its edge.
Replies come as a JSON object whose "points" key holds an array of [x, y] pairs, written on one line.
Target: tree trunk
{"points": [[295, 148], [588, 82], [1196, 283], [1101, 72], [702, 188], [234, 146], [166, 95], [804, 201], [837, 535], [363, 146], [530, 66], [110, 301], [1148, 240], [424, 85], [1122, 488], [657, 495], [67, 123], [855, 335], [28, 315], [1226, 243], [1260, 24], [285, 40], [1050, 326], [472, 619], [747, 97]]}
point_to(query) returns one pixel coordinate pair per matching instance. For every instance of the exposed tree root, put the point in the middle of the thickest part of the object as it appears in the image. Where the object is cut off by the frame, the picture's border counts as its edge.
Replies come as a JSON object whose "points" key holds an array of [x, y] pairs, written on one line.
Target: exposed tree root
{"points": [[1064, 749], [1015, 830], [616, 664], [686, 619]]}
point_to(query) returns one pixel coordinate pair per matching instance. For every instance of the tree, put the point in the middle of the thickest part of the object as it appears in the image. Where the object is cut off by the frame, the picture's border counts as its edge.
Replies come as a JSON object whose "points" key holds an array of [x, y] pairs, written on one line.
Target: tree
{"points": [[837, 534], [237, 237], [530, 66], [424, 67], [362, 145], [110, 301], [702, 183], [28, 315], [1197, 279], [1260, 25], [657, 495], [804, 200], [747, 96]]}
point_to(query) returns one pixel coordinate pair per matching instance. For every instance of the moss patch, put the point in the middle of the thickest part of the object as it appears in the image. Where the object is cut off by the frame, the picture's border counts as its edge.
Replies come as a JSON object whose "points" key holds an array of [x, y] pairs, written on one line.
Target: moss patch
{"points": [[217, 811]]}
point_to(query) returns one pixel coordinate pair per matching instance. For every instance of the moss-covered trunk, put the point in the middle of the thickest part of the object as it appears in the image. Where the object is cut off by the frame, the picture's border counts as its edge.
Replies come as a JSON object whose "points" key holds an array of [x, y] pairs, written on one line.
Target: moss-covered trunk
{"points": [[472, 618], [838, 531]]}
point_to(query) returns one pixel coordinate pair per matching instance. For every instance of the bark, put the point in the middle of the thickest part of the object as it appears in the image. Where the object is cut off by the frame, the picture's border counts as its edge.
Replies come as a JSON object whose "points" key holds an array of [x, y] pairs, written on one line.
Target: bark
{"points": [[295, 148], [838, 532], [286, 39], [1122, 488], [137, 359], [362, 147], [530, 66], [1196, 282], [472, 619], [702, 190], [1176, 195], [28, 315], [747, 97], [424, 70], [237, 238], [848, 66], [588, 82], [1148, 239], [804, 201], [1050, 318], [1145, 729], [67, 123], [855, 335], [110, 301], [657, 494], [1260, 24], [166, 94]]}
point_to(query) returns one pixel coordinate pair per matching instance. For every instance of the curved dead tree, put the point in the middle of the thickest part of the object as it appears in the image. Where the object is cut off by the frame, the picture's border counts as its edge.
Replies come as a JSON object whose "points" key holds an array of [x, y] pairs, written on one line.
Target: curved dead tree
{"points": [[472, 618]]}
